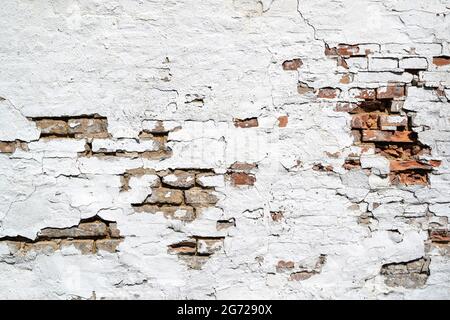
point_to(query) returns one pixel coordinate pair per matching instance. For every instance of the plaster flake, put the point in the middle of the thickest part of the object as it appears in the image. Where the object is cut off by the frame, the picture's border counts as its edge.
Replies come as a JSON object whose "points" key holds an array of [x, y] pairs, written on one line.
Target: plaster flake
{"points": [[286, 149]]}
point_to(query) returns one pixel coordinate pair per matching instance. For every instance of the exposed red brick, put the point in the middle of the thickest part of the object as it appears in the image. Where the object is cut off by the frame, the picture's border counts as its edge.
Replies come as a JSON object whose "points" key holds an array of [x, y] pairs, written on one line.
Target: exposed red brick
{"points": [[346, 79], [387, 136], [441, 61], [403, 165], [435, 163], [321, 167], [367, 94], [327, 93], [243, 166], [352, 163], [283, 121], [242, 179], [441, 236], [342, 63], [246, 123], [365, 121], [293, 64], [188, 247], [347, 50], [7, 147], [409, 178], [303, 88], [390, 92], [342, 50], [404, 152]]}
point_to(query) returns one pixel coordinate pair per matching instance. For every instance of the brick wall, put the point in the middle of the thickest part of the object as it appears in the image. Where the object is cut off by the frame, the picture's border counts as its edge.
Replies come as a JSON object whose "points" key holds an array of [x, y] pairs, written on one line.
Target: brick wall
{"points": [[225, 149]]}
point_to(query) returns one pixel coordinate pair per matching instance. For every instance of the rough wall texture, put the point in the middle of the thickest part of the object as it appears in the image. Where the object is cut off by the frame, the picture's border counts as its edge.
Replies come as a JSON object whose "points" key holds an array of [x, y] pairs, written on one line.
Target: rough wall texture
{"points": [[225, 149]]}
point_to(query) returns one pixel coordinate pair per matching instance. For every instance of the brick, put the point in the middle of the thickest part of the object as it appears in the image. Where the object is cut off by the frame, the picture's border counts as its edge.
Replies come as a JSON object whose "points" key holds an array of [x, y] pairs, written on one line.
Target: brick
{"points": [[246, 123], [303, 88], [114, 232], [179, 212], [198, 196], [53, 127], [109, 245], [88, 127], [367, 94], [7, 147], [166, 196], [84, 246], [392, 122], [365, 121], [441, 61], [386, 136], [83, 230], [41, 247], [412, 274], [343, 50], [179, 179], [390, 92], [291, 65], [341, 62], [328, 93], [225, 224], [346, 79], [283, 121], [243, 166], [242, 179], [409, 178], [188, 247], [440, 236], [403, 165], [414, 63]]}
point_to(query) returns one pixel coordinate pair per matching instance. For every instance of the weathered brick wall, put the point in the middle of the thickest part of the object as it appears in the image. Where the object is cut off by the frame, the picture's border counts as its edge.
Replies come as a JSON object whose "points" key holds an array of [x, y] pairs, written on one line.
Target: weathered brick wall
{"points": [[225, 149]]}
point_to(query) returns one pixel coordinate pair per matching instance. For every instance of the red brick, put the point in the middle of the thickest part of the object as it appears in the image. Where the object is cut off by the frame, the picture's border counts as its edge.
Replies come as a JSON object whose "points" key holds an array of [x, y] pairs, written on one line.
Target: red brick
{"points": [[328, 93], [303, 88], [442, 236], [346, 79], [365, 121], [243, 166], [342, 50], [386, 136], [283, 121], [441, 61], [390, 92], [347, 50], [403, 165], [294, 64], [242, 179], [7, 147], [246, 123], [409, 178], [367, 94]]}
